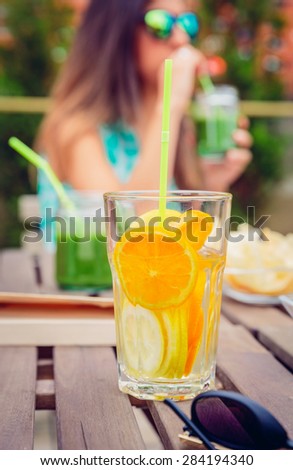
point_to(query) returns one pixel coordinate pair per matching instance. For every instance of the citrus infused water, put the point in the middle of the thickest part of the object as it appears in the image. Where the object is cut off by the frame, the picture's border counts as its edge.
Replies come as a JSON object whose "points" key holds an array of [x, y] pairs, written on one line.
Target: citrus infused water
{"points": [[167, 284], [174, 346]]}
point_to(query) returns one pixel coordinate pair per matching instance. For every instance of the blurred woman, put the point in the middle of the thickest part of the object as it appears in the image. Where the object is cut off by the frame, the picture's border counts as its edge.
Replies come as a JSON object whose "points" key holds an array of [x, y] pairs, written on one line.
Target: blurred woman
{"points": [[103, 132]]}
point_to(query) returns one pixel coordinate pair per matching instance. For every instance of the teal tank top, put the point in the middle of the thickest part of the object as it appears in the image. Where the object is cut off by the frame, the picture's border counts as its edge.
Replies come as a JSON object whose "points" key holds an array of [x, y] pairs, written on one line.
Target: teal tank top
{"points": [[122, 149]]}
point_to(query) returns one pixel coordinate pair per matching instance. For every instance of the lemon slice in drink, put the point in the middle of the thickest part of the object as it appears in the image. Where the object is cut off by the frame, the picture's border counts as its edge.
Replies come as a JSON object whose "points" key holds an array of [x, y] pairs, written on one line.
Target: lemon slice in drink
{"points": [[143, 341], [175, 329]]}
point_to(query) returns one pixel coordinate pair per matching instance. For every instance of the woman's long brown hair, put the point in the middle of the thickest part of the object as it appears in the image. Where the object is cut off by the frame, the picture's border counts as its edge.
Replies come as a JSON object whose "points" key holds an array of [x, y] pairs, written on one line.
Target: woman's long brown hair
{"points": [[99, 83]]}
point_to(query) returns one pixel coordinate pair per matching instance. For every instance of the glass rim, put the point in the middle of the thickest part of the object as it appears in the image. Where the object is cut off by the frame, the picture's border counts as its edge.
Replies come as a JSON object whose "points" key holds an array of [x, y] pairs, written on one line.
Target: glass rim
{"points": [[220, 87], [176, 195]]}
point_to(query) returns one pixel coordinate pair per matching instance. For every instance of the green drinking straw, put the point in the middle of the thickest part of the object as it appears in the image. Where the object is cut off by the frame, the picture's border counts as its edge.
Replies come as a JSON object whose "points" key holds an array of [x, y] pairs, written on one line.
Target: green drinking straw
{"points": [[206, 83], [165, 136], [43, 165]]}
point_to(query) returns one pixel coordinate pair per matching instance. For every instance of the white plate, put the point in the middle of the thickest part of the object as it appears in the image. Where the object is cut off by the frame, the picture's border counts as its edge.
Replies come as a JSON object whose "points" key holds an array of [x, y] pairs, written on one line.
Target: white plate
{"points": [[254, 299]]}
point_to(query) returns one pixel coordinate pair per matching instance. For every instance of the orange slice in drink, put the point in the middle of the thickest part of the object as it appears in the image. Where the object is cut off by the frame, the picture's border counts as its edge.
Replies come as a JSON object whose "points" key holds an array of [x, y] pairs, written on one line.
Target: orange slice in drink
{"points": [[195, 322], [154, 272], [196, 227], [154, 218]]}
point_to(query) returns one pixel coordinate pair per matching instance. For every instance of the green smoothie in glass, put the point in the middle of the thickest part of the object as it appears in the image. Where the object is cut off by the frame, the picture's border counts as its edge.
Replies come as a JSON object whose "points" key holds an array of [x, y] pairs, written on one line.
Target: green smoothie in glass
{"points": [[81, 251], [216, 120]]}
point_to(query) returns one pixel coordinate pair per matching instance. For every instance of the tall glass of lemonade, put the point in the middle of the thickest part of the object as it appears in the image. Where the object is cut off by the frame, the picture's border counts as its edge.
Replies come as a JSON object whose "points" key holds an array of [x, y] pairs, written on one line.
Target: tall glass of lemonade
{"points": [[167, 269]]}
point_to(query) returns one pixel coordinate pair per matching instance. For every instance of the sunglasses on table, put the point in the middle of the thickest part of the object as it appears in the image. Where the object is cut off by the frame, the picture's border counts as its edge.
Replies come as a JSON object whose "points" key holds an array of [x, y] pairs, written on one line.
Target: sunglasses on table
{"points": [[233, 421], [160, 23]]}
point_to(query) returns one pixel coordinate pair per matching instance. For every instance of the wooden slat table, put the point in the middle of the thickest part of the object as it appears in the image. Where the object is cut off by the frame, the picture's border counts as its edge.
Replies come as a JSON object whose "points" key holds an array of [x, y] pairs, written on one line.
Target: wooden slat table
{"points": [[79, 380]]}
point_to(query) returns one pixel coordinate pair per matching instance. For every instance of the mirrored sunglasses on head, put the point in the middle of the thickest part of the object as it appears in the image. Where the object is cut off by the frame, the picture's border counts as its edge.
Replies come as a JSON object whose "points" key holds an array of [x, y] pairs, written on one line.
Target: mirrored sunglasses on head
{"points": [[160, 23], [232, 421]]}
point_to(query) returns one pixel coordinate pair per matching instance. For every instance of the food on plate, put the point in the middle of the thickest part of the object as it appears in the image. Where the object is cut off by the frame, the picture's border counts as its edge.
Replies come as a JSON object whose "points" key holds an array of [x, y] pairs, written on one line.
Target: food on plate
{"points": [[260, 263]]}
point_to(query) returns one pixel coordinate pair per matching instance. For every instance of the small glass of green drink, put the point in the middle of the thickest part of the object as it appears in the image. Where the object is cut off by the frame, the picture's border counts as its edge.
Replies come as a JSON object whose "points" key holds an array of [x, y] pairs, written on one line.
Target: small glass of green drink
{"points": [[216, 119], [81, 252]]}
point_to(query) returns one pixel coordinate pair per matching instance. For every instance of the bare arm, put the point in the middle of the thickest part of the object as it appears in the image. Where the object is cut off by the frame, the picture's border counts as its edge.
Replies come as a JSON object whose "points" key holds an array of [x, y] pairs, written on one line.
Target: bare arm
{"points": [[192, 172], [188, 173], [86, 166]]}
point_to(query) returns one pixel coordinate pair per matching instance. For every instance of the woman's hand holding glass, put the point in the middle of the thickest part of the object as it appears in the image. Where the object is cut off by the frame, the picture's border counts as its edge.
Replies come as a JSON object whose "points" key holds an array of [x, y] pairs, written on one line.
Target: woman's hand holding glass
{"points": [[219, 176]]}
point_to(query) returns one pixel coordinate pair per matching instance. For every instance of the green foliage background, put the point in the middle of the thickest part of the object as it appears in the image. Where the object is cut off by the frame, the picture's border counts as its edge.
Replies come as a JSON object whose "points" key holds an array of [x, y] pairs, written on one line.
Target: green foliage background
{"points": [[244, 71], [42, 33]]}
